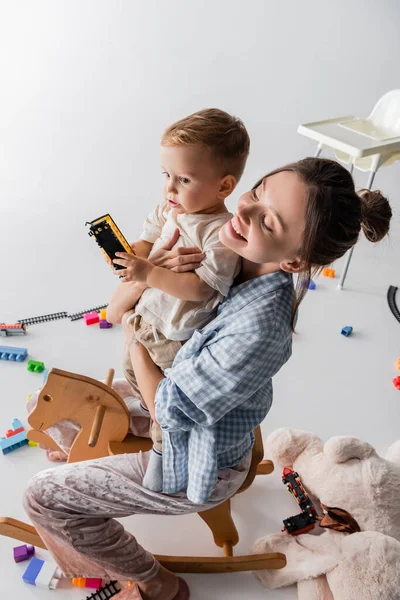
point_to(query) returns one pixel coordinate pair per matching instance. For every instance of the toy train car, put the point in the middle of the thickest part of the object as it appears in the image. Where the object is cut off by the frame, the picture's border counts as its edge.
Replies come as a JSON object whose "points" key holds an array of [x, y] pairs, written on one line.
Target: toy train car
{"points": [[17, 329], [108, 237], [305, 521]]}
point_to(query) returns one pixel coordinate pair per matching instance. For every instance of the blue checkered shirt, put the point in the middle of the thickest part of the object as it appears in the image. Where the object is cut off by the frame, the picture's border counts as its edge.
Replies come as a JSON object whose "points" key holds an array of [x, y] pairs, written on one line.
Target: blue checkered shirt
{"points": [[219, 387]]}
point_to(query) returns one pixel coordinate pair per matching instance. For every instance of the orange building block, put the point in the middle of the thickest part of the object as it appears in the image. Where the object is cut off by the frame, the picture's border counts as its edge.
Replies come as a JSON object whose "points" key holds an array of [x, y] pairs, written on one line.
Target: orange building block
{"points": [[329, 273], [398, 364]]}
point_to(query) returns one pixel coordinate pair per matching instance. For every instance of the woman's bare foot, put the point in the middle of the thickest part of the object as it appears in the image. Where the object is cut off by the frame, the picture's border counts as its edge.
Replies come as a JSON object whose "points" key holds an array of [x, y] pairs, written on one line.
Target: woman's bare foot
{"points": [[164, 586]]}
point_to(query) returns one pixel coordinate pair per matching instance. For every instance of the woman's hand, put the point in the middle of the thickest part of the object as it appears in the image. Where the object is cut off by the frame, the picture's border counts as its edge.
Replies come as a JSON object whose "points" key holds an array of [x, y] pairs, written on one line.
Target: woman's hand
{"points": [[179, 259]]}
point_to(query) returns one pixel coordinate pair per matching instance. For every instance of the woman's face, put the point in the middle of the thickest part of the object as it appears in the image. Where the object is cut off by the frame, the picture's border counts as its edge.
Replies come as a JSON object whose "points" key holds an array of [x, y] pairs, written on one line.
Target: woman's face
{"points": [[269, 223]]}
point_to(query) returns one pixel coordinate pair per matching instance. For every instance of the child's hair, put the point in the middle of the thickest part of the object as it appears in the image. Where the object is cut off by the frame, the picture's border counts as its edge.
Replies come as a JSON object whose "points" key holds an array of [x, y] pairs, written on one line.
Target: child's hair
{"points": [[224, 135], [335, 215]]}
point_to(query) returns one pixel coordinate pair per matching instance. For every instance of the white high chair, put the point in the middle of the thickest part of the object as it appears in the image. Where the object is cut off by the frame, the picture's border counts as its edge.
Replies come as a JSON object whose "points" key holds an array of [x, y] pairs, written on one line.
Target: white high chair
{"points": [[366, 144]]}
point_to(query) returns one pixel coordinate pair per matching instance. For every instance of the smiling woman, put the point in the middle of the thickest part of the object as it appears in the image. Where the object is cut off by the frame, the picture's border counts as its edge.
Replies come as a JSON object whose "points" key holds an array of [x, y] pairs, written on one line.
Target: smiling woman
{"points": [[219, 389]]}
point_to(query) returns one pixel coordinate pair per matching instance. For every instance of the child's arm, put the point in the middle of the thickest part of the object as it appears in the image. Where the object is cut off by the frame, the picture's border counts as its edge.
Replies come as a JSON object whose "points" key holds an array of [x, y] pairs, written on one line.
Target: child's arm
{"points": [[185, 286], [142, 248]]}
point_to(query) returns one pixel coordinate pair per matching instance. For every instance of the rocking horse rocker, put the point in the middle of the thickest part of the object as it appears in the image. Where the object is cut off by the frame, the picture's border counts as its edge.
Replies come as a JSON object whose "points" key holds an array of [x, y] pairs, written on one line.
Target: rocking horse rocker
{"points": [[104, 421]]}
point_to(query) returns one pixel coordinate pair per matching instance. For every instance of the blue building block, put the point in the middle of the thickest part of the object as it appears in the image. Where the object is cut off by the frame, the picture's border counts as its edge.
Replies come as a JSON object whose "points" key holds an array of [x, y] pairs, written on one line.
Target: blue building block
{"points": [[45, 375], [33, 570], [312, 285], [346, 331], [12, 443], [11, 353], [16, 424], [42, 574]]}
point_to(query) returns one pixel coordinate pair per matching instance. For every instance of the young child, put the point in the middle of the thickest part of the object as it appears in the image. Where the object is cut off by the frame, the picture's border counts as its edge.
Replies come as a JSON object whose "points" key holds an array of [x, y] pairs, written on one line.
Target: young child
{"points": [[202, 157]]}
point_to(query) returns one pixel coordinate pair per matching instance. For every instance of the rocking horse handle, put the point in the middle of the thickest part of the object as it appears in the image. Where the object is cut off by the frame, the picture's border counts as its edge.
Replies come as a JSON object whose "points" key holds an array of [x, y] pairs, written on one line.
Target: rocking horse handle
{"points": [[99, 416]]}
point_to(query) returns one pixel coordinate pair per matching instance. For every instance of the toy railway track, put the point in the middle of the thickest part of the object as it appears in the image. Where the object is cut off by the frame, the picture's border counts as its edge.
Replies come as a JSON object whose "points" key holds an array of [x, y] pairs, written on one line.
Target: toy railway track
{"points": [[391, 300], [79, 315], [42, 319], [107, 591]]}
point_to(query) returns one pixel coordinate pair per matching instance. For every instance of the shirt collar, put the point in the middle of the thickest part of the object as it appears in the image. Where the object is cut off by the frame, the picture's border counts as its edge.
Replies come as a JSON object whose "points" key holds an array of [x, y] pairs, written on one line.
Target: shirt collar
{"points": [[248, 291]]}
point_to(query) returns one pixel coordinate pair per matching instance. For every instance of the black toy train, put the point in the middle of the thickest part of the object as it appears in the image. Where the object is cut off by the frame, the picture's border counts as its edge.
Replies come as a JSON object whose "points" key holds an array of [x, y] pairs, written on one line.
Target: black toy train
{"points": [[305, 521]]}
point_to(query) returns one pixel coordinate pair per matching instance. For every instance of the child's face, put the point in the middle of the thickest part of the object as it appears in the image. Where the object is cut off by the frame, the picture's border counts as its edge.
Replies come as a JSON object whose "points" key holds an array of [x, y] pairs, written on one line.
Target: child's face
{"points": [[269, 223], [192, 184]]}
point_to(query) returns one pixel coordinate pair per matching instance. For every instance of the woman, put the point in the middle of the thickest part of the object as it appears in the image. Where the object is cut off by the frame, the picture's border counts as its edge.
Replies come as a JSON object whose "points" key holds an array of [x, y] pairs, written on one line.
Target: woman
{"points": [[296, 219]]}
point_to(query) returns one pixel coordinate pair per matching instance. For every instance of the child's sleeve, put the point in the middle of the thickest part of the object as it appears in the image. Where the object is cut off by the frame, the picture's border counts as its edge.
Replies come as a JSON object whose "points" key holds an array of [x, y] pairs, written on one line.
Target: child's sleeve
{"points": [[154, 223], [219, 268]]}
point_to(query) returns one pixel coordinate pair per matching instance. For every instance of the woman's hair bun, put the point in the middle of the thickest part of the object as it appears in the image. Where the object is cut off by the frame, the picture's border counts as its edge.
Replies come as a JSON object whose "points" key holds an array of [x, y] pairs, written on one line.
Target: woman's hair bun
{"points": [[375, 214]]}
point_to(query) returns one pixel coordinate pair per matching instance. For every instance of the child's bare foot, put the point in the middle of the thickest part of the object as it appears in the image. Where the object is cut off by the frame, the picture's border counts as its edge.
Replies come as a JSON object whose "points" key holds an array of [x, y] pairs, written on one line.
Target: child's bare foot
{"points": [[56, 455]]}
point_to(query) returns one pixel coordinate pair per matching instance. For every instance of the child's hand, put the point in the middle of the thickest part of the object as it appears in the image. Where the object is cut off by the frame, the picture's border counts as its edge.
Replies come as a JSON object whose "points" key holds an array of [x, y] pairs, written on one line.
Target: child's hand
{"points": [[135, 269]]}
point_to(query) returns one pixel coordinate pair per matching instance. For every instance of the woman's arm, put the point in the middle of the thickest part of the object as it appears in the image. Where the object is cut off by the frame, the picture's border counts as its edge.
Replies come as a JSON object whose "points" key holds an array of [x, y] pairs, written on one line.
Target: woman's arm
{"points": [[185, 286]]}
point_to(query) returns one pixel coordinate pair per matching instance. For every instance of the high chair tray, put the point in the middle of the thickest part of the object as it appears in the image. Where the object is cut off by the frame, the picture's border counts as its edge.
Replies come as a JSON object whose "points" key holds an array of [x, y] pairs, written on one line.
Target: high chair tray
{"points": [[341, 133]]}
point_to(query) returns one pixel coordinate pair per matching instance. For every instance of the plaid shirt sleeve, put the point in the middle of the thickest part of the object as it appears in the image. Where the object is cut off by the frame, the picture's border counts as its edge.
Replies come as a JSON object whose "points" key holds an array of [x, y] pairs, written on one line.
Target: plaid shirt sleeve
{"points": [[218, 377]]}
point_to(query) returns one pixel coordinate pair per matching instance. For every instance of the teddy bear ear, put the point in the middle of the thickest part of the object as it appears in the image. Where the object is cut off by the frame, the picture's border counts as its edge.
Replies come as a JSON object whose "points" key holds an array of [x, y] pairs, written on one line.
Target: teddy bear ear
{"points": [[286, 445], [393, 454], [344, 447]]}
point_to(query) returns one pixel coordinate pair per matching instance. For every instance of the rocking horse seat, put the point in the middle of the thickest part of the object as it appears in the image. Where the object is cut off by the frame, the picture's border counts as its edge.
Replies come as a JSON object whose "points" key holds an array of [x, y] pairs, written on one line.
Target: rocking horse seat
{"points": [[130, 444]]}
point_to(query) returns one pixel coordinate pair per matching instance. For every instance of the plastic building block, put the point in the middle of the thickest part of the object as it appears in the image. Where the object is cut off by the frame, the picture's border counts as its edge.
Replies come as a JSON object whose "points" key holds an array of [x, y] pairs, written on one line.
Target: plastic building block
{"points": [[396, 382], [11, 353], [35, 366], [45, 375], [398, 364], [105, 324], [23, 553], [17, 329], [312, 285], [346, 331], [18, 440], [328, 273], [91, 318], [81, 313], [103, 314], [32, 570], [42, 574], [29, 396], [108, 591], [16, 424], [15, 437], [94, 583], [30, 443], [11, 432]]}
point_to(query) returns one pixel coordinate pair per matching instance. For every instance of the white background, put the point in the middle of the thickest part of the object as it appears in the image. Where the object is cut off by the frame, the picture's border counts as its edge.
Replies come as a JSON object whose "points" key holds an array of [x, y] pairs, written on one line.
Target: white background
{"points": [[86, 89]]}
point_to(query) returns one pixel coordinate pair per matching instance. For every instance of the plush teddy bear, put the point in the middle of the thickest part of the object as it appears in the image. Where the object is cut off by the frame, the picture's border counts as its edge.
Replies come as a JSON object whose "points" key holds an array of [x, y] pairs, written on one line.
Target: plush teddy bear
{"points": [[360, 492]]}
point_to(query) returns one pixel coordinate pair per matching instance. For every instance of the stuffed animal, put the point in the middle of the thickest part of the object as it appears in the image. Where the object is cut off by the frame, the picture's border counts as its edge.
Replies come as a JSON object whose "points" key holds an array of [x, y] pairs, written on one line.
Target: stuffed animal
{"points": [[357, 557]]}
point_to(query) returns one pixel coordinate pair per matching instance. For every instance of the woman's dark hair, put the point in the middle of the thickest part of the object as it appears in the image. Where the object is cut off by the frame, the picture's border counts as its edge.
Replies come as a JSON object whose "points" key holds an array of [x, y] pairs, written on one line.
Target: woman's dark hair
{"points": [[335, 215]]}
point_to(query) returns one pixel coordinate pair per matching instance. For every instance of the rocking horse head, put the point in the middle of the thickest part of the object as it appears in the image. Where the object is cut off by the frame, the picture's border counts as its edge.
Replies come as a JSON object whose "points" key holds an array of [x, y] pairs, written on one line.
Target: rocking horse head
{"points": [[95, 406]]}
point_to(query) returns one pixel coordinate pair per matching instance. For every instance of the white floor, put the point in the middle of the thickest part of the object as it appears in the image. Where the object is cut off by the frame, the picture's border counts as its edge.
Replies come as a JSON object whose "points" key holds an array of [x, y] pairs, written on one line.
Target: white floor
{"points": [[332, 385]]}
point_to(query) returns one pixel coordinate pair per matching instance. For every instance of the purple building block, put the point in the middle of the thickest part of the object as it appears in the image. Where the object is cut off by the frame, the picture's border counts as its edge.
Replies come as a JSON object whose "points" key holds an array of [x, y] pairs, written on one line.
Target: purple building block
{"points": [[105, 324], [23, 553]]}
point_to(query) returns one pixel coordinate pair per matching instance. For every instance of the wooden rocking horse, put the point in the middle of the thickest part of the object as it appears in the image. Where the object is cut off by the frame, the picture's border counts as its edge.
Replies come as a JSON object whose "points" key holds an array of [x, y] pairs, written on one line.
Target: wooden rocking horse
{"points": [[104, 421]]}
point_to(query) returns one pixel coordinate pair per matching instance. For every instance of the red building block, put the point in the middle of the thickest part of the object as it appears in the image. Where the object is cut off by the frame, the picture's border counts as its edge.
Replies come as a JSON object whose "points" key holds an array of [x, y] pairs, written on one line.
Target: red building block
{"points": [[10, 432], [396, 382], [91, 318]]}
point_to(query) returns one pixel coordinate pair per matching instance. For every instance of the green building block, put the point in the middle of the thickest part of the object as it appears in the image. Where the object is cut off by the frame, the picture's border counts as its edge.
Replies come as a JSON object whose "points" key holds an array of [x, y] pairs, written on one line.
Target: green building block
{"points": [[35, 367]]}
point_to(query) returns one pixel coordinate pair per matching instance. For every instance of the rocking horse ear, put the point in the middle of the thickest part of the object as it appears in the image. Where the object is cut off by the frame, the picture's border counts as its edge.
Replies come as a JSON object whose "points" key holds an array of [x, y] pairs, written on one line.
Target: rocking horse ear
{"points": [[343, 447]]}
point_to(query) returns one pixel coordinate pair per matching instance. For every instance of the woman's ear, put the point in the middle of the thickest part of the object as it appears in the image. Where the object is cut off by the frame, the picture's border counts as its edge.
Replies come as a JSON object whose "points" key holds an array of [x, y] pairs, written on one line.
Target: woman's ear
{"points": [[292, 266], [227, 185]]}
